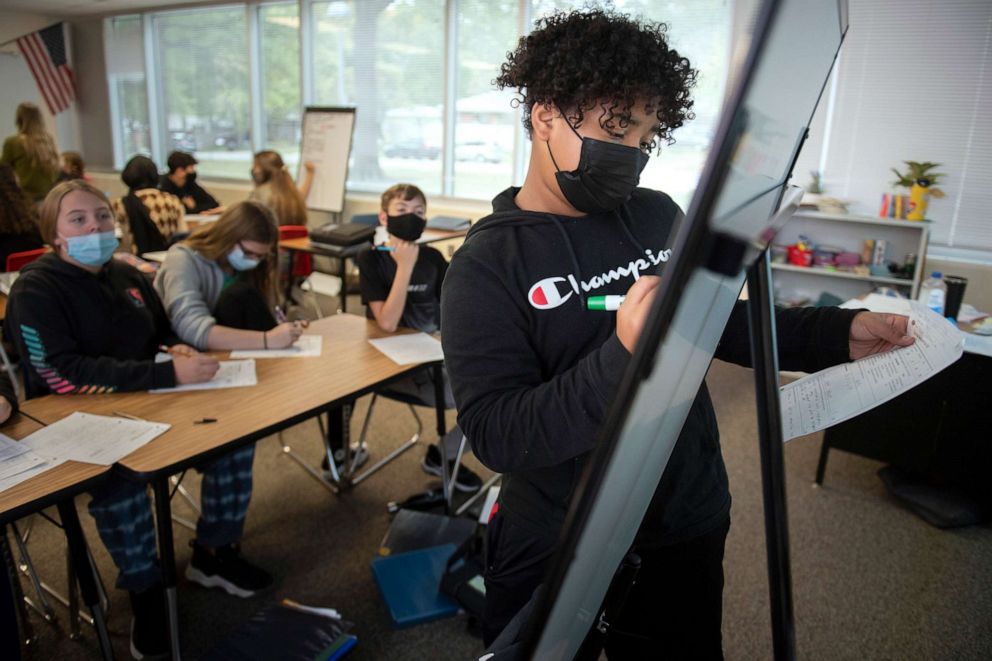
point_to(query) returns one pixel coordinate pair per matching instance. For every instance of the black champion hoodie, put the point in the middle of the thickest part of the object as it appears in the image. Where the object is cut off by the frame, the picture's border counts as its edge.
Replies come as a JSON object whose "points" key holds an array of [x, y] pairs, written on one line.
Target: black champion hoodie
{"points": [[80, 333], [533, 371]]}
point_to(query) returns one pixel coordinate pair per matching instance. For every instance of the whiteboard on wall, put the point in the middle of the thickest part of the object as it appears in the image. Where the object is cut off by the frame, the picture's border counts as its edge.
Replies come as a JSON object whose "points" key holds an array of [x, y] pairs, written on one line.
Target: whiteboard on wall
{"points": [[327, 134]]}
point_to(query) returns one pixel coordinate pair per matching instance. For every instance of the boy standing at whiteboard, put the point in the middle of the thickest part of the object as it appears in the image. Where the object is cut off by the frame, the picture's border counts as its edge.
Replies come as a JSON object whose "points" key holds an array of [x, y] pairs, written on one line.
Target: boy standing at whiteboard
{"points": [[400, 282], [534, 366]]}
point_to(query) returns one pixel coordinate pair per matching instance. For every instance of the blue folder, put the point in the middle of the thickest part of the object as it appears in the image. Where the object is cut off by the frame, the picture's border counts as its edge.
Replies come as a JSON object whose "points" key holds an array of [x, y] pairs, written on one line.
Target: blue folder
{"points": [[410, 584]]}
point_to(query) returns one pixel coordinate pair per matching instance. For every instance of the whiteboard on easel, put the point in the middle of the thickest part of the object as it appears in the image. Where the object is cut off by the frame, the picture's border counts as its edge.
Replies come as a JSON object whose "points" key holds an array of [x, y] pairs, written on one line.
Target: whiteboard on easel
{"points": [[327, 134]]}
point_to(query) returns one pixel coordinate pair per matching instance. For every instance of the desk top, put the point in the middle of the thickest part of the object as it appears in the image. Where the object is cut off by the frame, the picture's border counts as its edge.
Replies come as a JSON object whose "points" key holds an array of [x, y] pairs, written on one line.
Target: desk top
{"points": [[289, 391], [304, 244], [49, 487]]}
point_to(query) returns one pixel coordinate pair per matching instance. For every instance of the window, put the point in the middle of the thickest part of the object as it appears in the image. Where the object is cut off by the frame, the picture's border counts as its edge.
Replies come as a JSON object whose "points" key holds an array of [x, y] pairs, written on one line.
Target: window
{"points": [[385, 58], [128, 93], [485, 120], [224, 81], [204, 93], [279, 30]]}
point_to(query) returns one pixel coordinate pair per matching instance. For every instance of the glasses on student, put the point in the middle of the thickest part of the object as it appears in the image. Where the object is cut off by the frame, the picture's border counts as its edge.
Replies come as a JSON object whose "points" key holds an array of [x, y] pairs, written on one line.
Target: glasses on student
{"points": [[250, 254]]}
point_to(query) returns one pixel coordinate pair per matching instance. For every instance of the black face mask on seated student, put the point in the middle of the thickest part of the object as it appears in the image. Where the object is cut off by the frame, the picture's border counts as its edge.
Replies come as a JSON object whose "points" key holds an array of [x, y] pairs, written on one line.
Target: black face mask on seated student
{"points": [[190, 177], [606, 176], [407, 227]]}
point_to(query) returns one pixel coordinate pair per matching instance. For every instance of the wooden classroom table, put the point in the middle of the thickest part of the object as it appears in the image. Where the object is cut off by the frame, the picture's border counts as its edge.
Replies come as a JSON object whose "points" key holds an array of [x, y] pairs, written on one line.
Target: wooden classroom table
{"points": [[344, 253], [289, 391], [59, 486]]}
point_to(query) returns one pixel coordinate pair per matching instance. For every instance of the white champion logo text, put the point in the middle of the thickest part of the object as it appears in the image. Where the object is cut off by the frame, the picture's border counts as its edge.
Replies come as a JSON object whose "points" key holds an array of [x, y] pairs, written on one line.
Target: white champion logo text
{"points": [[545, 293]]}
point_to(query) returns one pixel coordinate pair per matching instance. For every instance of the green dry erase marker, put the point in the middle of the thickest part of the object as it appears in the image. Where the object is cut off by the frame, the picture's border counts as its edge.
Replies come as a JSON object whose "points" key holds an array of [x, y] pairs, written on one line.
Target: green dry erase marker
{"points": [[606, 303]]}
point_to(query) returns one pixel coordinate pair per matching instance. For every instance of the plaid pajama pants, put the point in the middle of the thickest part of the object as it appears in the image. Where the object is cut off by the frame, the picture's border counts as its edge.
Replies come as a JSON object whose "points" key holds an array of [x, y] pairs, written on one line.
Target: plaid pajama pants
{"points": [[123, 513]]}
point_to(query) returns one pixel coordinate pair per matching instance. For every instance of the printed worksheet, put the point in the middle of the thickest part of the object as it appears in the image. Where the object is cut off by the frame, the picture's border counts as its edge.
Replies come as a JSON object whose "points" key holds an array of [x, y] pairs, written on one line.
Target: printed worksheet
{"points": [[410, 348], [836, 394], [232, 374], [92, 439], [18, 463], [305, 347]]}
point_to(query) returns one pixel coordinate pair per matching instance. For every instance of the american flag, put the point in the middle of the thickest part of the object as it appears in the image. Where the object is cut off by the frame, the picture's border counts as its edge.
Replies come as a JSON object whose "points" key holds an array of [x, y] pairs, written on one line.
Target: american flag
{"points": [[45, 53]]}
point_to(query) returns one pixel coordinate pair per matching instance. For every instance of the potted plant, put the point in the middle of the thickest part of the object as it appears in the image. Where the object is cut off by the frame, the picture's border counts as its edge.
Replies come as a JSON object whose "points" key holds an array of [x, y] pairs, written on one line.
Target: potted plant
{"points": [[921, 182]]}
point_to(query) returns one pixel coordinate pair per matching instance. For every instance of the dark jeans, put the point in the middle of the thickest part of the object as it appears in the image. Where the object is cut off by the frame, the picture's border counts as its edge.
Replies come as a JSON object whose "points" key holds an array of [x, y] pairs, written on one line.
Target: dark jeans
{"points": [[674, 610]]}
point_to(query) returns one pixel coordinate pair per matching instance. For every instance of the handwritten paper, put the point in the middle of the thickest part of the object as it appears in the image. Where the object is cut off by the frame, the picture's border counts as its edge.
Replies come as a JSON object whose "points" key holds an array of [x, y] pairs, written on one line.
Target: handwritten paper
{"points": [[836, 394], [92, 439], [410, 348], [232, 374], [306, 347], [18, 463]]}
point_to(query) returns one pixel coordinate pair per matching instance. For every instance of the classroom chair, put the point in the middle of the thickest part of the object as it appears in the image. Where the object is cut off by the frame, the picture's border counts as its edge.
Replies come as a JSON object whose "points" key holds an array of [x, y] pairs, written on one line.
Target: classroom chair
{"points": [[18, 260], [302, 264]]}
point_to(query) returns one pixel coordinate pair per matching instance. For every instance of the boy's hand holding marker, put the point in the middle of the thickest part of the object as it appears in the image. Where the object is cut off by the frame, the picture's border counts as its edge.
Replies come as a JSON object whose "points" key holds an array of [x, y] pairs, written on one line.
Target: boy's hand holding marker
{"points": [[634, 311]]}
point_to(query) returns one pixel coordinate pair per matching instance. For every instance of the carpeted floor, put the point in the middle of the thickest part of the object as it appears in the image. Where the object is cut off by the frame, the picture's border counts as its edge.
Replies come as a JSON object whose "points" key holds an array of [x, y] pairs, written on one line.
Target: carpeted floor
{"points": [[870, 579]]}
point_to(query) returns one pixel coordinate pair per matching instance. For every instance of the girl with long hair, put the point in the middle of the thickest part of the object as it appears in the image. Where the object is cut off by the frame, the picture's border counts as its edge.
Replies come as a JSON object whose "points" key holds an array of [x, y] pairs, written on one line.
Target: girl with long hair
{"points": [[87, 324], [218, 286], [18, 218], [31, 152], [275, 188]]}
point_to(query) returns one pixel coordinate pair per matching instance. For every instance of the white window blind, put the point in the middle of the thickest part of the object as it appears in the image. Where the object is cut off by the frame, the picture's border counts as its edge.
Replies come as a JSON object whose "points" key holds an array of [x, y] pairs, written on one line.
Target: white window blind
{"points": [[914, 83]]}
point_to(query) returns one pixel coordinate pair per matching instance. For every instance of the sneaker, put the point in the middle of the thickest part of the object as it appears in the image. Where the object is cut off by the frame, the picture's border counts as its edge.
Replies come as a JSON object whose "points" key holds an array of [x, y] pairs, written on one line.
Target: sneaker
{"points": [[225, 568], [466, 481], [149, 628], [361, 458]]}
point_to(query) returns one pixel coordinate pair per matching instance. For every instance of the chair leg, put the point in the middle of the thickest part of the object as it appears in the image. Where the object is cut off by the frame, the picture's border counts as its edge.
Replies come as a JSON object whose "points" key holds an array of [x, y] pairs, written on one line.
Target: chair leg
{"points": [[478, 494], [406, 445], [449, 487], [9, 367], [181, 490], [310, 470], [20, 600], [27, 568]]}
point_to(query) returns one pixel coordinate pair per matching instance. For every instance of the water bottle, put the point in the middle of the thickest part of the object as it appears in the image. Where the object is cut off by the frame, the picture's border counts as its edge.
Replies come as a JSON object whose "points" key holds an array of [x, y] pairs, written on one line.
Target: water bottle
{"points": [[933, 291]]}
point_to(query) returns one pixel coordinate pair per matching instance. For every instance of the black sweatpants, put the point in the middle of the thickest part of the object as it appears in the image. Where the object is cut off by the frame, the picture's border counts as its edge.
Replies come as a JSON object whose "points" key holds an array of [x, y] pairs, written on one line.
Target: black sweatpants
{"points": [[674, 610]]}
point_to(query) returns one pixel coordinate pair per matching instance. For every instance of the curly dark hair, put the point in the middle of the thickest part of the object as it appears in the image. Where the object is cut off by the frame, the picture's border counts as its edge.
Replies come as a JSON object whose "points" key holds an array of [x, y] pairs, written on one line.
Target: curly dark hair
{"points": [[577, 59]]}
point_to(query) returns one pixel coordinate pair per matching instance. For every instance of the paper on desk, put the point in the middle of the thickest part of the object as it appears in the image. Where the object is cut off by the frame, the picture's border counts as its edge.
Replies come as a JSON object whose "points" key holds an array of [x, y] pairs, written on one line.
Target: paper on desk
{"points": [[836, 394], [7, 281], [409, 348], [93, 439], [18, 463], [305, 347], [232, 374]]}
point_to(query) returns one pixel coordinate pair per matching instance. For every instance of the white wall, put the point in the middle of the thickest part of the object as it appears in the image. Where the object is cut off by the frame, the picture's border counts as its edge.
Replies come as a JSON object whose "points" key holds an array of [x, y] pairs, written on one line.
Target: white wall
{"points": [[15, 77]]}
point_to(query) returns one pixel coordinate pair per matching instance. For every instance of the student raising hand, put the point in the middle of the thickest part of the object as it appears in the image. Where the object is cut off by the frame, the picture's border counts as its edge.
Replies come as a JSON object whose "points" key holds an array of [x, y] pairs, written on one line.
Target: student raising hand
{"points": [[195, 368]]}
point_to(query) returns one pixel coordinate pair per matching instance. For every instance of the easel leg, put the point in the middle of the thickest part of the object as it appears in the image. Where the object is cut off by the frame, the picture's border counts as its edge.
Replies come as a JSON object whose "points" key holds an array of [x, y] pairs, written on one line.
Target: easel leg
{"points": [[765, 360]]}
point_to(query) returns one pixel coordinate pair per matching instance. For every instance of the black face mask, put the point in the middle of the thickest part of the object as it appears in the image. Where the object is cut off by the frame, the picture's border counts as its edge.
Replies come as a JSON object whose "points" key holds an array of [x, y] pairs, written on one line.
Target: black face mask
{"points": [[606, 177], [407, 227], [190, 177]]}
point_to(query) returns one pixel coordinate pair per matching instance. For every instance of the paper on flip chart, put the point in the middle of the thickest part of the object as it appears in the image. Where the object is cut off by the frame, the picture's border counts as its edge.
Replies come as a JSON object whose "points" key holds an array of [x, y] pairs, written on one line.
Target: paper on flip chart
{"points": [[409, 348], [306, 347], [92, 439], [232, 374], [841, 392], [18, 463]]}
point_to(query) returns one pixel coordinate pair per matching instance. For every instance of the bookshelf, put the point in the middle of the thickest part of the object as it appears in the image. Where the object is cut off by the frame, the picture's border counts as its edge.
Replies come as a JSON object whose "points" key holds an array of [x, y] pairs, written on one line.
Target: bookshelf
{"points": [[848, 232]]}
